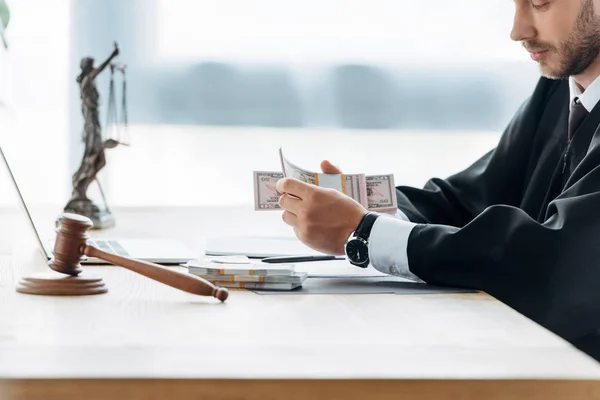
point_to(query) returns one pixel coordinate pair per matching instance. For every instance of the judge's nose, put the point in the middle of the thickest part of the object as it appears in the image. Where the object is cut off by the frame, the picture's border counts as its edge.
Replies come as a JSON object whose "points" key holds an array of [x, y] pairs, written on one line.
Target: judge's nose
{"points": [[523, 28]]}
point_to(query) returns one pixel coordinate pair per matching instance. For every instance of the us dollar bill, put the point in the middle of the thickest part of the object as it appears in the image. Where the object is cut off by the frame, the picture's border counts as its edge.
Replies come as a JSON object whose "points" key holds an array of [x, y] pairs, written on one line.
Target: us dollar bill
{"points": [[380, 192], [352, 185], [266, 196]]}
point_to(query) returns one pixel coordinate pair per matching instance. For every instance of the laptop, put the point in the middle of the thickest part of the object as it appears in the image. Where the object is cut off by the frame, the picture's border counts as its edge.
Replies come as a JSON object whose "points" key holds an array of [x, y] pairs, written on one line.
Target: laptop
{"points": [[159, 251]]}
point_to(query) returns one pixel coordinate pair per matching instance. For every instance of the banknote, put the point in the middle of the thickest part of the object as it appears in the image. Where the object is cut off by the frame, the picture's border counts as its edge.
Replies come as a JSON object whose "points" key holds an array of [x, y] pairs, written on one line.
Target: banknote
{"points": [[202, 267], [352, 185], [266, 196], [381, 192], [297, 277], [259, 285], [290, 169]]}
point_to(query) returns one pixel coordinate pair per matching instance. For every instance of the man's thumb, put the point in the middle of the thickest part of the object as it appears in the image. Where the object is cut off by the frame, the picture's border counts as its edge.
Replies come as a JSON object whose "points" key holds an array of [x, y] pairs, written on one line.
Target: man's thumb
{"points": [[329, 168]]}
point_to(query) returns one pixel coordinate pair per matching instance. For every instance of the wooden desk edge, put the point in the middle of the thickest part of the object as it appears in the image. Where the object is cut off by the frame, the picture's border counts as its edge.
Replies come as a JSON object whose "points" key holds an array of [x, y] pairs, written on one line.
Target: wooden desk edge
{"points": [[134, 389]]}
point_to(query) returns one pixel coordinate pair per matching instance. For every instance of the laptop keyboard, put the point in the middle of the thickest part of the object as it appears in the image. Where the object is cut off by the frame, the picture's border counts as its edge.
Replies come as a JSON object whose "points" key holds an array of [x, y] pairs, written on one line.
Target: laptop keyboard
{"points": [[111, 246]]}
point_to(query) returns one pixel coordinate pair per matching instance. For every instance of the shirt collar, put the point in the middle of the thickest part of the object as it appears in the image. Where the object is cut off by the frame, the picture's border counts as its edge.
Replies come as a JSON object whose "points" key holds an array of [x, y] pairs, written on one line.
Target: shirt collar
{"points": [[589, 98]]}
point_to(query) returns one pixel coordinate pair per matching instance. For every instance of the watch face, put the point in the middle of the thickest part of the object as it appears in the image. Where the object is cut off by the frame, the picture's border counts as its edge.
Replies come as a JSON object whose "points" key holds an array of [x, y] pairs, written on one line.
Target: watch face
{"points": [[357, 251]]}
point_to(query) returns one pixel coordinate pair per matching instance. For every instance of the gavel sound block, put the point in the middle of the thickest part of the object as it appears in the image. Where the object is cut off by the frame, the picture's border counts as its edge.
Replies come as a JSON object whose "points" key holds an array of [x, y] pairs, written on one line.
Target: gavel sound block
{"points": [[71, 245]]}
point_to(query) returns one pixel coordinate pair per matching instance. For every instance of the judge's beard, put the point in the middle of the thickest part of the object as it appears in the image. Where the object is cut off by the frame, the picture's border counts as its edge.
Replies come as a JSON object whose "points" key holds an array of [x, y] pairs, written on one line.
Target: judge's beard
{"points": [[579, 50]]}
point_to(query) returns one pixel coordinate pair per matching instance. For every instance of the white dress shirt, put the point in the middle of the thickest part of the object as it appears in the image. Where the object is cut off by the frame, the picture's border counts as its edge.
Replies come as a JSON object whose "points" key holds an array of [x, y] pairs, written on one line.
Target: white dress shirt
{"points": [[589, 98], [388, 242]]}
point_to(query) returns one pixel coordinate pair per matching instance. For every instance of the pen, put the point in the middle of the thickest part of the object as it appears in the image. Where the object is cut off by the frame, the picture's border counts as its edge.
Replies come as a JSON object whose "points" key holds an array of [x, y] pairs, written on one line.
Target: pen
{"points": [[292, 259]]}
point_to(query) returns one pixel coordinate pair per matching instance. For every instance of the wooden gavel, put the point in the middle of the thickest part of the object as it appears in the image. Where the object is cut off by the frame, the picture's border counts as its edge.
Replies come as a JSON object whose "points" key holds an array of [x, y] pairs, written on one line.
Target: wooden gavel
{"points": [[71, 245]]}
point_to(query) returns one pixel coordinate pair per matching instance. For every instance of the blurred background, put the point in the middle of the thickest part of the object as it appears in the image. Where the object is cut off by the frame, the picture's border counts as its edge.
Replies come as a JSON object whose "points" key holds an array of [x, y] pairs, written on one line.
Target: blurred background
{"points": [[215, 87]]}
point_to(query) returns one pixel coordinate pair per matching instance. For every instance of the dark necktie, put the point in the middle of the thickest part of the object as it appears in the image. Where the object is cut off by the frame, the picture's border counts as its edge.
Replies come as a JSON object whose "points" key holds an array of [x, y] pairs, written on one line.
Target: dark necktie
{"points": [[578, 114]]}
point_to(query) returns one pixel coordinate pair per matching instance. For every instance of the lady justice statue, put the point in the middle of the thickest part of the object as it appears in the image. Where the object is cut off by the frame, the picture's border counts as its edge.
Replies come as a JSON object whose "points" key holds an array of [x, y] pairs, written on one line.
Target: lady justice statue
{"points": [[94, 158]]}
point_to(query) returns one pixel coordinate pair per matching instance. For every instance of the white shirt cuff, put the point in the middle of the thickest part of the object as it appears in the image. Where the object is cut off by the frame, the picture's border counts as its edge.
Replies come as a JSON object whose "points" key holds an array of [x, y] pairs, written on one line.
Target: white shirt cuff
{"points": [[388, 247]]}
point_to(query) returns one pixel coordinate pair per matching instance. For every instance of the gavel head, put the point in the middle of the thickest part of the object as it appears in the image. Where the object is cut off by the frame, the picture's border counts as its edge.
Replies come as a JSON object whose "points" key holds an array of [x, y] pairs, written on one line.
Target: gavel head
{"points": [[71, 237]]}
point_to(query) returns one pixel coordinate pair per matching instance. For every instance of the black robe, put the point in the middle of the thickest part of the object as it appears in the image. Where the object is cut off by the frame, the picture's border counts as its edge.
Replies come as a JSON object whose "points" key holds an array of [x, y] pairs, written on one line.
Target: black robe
{"points": [[523, 222]]}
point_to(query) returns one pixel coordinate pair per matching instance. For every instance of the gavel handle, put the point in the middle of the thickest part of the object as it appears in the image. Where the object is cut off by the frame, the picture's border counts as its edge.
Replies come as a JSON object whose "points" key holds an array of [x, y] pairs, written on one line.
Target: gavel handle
{"points": [[186, 282]]}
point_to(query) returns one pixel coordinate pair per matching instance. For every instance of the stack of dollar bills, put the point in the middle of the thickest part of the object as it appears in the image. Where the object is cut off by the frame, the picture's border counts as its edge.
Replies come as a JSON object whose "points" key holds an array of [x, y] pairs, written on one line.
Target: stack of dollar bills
{"points": [[374, 192], [241, 272]]}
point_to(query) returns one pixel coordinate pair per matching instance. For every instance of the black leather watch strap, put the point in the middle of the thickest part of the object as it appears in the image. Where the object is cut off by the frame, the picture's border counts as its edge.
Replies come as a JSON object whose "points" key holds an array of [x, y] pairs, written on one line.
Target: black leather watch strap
{"points": [[363, 229]]}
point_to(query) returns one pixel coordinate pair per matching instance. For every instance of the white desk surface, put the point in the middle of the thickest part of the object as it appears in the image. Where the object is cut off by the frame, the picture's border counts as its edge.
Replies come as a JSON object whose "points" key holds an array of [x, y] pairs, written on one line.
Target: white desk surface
{"points": [[348, 346]]}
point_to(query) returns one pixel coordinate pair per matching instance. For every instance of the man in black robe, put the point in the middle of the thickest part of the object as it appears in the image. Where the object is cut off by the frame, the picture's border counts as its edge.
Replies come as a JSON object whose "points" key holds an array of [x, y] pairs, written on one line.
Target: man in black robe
{"points": [[523, 222]]}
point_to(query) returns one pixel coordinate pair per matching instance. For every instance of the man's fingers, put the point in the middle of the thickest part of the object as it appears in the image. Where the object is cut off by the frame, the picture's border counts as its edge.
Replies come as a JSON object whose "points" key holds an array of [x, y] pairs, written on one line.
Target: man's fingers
{"points": [[293, 186], [329, 168], [289, 218], [290, 203]]}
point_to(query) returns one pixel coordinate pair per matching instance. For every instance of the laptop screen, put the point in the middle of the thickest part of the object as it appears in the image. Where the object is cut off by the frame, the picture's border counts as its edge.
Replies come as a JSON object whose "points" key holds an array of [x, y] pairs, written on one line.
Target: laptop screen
{"points": [[18, 235]]}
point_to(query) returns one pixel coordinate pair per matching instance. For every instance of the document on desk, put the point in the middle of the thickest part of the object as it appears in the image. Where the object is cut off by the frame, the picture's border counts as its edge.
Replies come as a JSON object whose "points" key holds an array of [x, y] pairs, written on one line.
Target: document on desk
{"points": [[364, 285], [256, 247], [325, 277]]}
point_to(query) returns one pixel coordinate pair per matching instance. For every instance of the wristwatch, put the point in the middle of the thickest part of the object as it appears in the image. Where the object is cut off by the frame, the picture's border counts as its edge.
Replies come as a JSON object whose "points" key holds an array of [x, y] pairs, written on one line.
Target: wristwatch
{"points": [[357, 247]]}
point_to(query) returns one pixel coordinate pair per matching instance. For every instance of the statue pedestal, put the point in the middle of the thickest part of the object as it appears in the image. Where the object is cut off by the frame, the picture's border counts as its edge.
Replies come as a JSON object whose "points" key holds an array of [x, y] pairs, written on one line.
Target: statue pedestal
{"points": [[102, 219]]}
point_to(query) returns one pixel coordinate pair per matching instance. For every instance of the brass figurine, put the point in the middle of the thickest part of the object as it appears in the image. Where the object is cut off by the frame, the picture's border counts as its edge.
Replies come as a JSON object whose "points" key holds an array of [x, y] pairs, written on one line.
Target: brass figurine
{"points": [[94, 158]]}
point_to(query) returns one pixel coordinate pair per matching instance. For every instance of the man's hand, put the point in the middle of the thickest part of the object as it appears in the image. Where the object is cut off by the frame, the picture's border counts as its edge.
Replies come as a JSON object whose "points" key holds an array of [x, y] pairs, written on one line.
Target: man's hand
{"points": [[329, 168], [323, 219]]}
